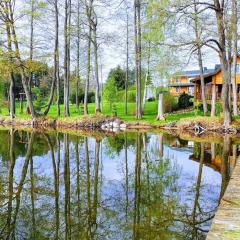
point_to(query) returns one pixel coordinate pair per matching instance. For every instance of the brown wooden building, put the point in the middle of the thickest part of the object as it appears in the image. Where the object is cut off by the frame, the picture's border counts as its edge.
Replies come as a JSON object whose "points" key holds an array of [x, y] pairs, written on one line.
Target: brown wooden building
{"points": [[214, 78], [182, 82]]}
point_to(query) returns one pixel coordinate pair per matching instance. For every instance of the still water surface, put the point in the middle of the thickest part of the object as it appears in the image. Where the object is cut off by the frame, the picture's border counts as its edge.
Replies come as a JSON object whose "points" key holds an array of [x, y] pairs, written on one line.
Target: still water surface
{"points": [[130, 186]]}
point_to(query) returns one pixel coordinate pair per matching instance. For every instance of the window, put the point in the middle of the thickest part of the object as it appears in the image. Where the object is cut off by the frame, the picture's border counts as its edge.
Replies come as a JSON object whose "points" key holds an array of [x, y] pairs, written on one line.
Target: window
{"points": [[177, 80], [177, 89], [238, 68], [190, 90]]}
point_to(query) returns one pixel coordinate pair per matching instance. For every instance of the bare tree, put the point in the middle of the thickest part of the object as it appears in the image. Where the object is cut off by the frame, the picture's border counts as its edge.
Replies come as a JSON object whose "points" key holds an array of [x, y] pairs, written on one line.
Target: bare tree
{"points": [[234, 28], [137, 24], [67, 26], [88, 5]]}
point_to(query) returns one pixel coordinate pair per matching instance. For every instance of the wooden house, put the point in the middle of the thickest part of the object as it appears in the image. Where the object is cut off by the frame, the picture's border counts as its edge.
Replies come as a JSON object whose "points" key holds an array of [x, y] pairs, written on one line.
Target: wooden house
{"points": [[182, 82], [214, 80]]}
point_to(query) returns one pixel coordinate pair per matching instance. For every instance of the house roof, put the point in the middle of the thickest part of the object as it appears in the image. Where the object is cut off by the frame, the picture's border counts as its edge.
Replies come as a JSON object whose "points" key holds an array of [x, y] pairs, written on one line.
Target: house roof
{"points": [[217, 69], [186, 84], [193, 73]]}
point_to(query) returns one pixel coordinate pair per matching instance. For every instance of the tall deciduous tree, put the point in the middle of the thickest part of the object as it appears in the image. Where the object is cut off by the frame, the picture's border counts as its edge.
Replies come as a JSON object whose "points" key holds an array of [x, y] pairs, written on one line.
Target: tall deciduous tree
{"points": [[56, 77], [94, 23], [137, 24], [234, 29], [67, 34], [88, 6], [199, 53]]}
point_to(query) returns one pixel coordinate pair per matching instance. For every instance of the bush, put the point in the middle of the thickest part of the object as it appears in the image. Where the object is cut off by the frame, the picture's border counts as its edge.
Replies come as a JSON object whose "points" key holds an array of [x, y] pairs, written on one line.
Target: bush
{"points": [[132, 96], [91, 97], [169, 103], [152, 99], [184, 101], [198, 107]]}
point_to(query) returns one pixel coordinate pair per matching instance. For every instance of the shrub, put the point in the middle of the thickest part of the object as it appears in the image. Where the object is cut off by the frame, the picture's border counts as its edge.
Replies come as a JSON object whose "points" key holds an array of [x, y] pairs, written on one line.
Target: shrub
{"points": [[132, 96], [91, 97], [152, 99], [169, 103], [184, 101]]}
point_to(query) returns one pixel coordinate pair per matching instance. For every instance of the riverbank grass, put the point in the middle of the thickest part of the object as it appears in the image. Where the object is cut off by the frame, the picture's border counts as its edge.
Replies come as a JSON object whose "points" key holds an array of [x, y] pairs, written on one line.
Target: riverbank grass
{"points": [[150, 113]]}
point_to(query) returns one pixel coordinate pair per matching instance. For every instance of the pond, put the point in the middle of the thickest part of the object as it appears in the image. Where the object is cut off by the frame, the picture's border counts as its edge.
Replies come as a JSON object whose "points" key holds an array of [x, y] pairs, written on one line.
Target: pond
{"points": [[132, 185]]}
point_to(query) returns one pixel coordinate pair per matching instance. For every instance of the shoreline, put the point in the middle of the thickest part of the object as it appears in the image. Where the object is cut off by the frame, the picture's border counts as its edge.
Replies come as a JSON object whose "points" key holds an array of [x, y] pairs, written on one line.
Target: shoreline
{"points": [[198, 126]]}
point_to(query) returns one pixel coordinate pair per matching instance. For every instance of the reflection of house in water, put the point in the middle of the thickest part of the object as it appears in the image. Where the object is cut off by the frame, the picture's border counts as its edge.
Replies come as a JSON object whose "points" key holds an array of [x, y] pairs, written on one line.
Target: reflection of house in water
{"points": [[213, 155]]}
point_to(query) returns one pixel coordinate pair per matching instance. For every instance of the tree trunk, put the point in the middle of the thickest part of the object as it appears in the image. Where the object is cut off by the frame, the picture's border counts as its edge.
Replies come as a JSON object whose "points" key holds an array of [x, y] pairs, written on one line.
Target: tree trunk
{"points": [[78, 57], [97, 94], [21, 65], [224, 62], [67, 23], [214, 98], [137, 23], [12, 107], [56, 56], [160, 115], [235, 53], [89, 14], [127, 69], [147, 77], [200, 62], [31, 44], [50, 100]]}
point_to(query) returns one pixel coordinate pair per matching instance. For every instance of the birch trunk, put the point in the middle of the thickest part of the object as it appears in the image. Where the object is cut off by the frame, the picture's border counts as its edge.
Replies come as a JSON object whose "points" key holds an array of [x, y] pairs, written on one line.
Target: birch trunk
{"points": [[12, 107], [137, 23], [88, 13], [95, 45], [160, 115], [224, 62], [200, 62], [19, 61], [235, 52], [127, 69], [213, 104]]}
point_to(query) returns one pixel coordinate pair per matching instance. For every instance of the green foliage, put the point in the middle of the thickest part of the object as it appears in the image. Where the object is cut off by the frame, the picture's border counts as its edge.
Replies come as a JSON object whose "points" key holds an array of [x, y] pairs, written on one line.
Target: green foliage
{"points": [[38, 99], [119, 76], [169, 103], [91, 97], [184, 101], [110, 90]]}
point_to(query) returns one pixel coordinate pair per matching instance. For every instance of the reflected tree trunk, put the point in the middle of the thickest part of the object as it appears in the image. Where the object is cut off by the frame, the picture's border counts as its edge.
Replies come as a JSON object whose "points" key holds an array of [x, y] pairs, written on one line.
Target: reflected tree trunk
{"points": [[197, 194], [161, 147], [126, 177], [10, 185], [95, 187], [32, 199], [56, 182], [225, 164], [213, 151], [22, 179], [67, 208], [148, 176], [89, 212], [137, 186], [78, 185]]}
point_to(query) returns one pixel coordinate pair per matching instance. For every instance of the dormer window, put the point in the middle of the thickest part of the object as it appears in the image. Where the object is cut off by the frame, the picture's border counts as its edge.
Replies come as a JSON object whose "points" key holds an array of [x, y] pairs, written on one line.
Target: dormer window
{"points": [[177, 80]]}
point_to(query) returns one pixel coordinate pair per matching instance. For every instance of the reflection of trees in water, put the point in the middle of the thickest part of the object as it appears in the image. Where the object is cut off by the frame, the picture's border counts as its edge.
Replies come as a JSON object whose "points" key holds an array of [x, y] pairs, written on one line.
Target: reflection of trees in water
{"points": [[73, 201]]}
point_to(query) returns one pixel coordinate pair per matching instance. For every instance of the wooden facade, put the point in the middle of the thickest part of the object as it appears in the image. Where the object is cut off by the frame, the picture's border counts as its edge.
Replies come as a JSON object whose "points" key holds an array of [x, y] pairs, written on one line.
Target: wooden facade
{"points": [[215, 78], [180, 85]]}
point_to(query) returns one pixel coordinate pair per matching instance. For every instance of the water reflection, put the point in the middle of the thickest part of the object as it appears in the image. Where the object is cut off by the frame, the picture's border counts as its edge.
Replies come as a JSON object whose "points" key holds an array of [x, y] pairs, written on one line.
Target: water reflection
{"points": [[130, 186]]}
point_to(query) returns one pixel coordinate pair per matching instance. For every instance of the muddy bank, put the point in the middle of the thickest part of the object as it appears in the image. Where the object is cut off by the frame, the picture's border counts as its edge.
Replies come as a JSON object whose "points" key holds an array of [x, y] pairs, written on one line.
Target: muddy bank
{"points": [[197, 125], [94, 122], [201, 125]]}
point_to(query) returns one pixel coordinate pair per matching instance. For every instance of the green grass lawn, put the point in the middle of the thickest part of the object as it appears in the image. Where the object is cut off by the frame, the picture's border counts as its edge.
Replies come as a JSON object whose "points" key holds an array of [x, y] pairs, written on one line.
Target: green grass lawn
{"points": [[150, 112]]}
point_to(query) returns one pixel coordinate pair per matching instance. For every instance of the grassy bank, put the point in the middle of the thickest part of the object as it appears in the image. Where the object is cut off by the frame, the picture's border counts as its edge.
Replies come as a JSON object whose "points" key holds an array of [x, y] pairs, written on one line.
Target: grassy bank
{"points": [[150, 113]]}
